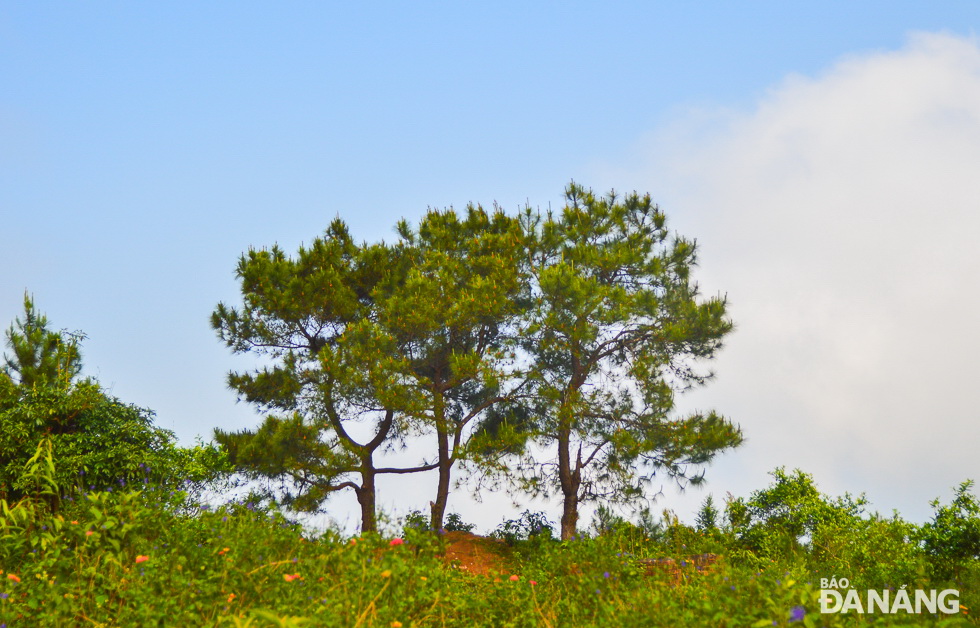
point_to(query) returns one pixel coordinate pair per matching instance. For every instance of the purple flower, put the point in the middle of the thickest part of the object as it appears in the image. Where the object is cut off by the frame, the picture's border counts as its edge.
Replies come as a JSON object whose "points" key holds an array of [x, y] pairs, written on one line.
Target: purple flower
{"points": [[797, 614], [605, 574]]}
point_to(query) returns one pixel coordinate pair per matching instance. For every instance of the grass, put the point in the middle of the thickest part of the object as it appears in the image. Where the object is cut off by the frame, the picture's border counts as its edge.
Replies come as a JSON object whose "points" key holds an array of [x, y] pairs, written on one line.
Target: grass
{"points": [[146, 559]]}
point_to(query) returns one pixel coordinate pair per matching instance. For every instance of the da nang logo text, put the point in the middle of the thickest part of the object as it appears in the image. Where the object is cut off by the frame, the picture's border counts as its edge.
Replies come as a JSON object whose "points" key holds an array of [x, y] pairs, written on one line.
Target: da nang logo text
{"points": [[837, 597]]}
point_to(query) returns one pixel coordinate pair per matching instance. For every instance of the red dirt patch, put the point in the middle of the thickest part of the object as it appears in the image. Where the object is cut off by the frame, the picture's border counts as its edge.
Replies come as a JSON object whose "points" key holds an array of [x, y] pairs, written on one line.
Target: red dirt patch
{"points": [[483, 556], [476, 554]]}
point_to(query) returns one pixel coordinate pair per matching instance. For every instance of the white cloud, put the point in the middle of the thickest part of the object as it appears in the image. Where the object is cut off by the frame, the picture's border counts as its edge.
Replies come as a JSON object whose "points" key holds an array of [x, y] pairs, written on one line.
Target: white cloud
{"points": [[841, 217]]}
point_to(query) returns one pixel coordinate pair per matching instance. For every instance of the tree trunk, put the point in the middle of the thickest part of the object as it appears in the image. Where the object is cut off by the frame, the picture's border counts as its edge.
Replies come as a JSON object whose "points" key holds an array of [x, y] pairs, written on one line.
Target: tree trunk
{"points": [[569, 516], [366, 497], [569, 480], [438, 507]]}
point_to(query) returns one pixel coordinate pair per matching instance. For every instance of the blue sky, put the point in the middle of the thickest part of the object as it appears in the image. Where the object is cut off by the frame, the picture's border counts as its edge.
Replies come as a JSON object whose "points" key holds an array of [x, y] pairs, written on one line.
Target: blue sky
{"points": [[144, 148]]}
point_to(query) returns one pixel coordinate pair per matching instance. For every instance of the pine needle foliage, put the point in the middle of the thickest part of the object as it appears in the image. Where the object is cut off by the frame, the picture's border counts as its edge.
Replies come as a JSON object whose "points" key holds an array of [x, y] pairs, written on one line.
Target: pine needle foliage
{"points": [[616, 325]]}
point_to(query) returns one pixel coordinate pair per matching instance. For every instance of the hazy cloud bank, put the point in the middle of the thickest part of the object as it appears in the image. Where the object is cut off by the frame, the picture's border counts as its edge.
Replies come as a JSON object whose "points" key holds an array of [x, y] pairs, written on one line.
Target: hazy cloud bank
{"points": [[841, 216]]}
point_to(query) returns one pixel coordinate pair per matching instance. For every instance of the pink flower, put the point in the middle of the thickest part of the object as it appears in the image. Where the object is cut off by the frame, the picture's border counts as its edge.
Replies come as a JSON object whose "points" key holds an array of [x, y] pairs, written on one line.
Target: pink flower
{"points": [[533, 582], [142, 559], [396, 542], [515, 578], [89, 533], [290, 577]]}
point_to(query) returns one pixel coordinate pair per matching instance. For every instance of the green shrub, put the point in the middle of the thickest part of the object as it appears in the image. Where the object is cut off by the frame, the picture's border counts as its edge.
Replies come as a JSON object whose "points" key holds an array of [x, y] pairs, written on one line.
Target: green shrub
{"points": [[98, 442], [455, 523], [529, 525], [952, 538]]}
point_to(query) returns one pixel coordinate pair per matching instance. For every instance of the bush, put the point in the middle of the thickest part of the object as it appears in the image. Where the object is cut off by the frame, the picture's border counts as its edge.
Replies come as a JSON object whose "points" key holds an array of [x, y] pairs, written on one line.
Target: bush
{"points": [[455, 523], [782, 520], [952, 538], [98, 442], [415, 521], [529, 525]]}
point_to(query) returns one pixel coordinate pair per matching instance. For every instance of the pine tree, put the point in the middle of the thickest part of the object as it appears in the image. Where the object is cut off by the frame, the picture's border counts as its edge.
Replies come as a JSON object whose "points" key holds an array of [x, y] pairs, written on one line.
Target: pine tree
{"points": [[411, 338], [39, 355], [454, 319], [616, 325], [314, 316], [707, 517]]}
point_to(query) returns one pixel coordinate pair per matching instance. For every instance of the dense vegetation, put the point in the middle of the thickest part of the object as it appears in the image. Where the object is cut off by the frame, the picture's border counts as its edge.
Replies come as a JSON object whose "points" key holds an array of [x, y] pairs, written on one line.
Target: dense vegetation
{"points": [[496, 340], [154, 557], [98, 440]]}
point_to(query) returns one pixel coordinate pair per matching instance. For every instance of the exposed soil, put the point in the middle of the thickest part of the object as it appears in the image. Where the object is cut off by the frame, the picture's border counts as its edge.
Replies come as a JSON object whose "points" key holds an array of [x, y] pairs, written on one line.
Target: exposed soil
{"points": [[483, 556], [477, 554]]}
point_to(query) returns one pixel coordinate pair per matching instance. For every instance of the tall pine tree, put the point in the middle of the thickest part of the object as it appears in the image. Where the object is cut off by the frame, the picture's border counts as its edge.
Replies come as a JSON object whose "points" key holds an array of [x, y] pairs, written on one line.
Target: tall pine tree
{"points": [[314, 317], [616, 325], [454, 317]]}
